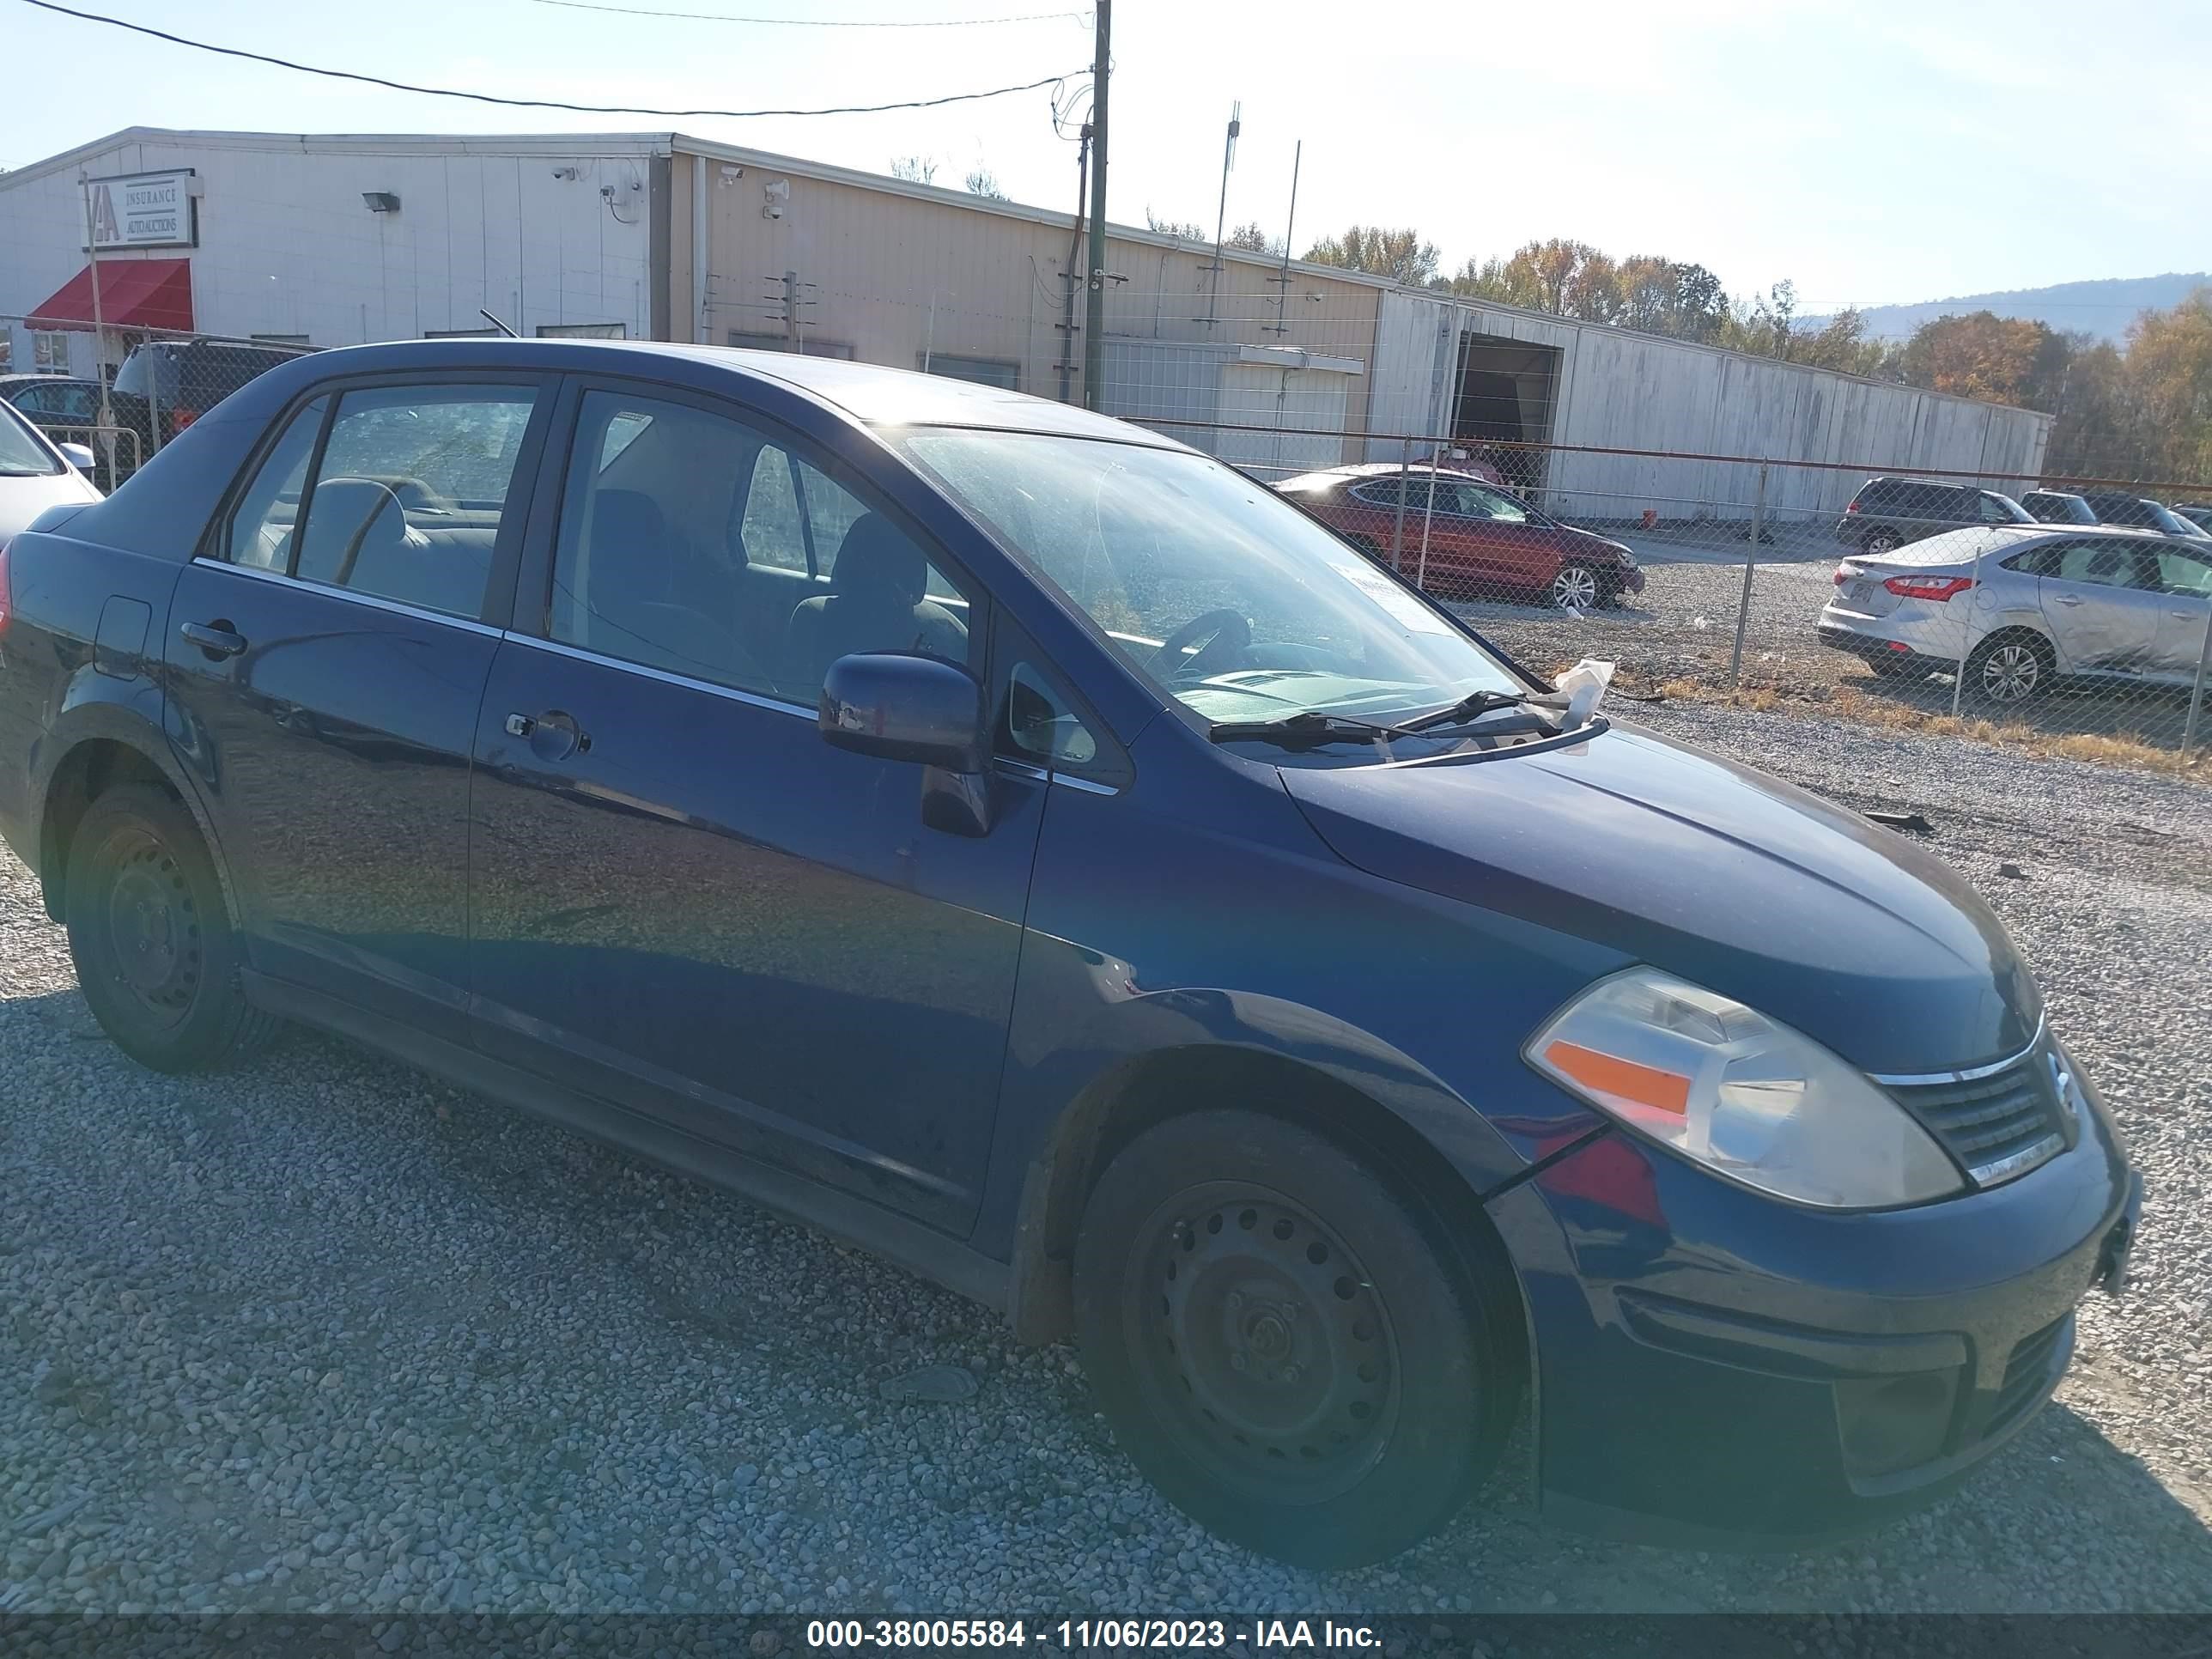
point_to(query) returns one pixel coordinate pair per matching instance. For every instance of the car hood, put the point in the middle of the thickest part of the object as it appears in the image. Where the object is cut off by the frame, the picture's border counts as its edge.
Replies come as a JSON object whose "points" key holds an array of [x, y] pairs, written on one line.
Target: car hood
{"points": [[1736, 881]]}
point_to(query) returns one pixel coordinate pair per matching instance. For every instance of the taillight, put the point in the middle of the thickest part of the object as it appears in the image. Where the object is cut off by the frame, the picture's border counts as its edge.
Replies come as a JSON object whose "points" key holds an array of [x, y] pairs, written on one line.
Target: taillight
{"points": [[1937, 588], [1853, 508], [181, 418], [1844, 573]]}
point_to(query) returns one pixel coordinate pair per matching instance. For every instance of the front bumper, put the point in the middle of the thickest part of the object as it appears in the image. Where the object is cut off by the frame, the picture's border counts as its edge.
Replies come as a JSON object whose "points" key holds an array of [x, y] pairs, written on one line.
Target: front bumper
{"points": [[1713, 1366]]}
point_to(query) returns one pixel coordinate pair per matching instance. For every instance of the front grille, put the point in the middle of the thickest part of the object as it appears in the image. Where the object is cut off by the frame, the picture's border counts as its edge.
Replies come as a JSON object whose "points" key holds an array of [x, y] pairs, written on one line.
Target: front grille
{"points": [[1999, 1125], [2029, 1373]]}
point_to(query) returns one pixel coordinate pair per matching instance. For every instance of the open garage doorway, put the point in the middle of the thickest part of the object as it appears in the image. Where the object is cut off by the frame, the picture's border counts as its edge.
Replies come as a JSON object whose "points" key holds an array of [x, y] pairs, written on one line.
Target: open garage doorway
{"points": [[1507, 390]]}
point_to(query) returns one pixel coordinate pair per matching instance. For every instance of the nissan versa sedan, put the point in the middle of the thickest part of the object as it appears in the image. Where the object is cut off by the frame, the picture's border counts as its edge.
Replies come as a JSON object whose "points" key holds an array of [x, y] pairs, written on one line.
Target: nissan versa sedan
{"points": [[2026, 609], [1023, 846], [1465, 538]]}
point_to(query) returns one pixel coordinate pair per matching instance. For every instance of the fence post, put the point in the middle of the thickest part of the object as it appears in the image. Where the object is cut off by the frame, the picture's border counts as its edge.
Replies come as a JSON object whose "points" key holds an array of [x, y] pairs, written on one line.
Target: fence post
{"points": [[1967, 629], [1750, 564], [2197, 693], [1398, 531], [1428, 513]]}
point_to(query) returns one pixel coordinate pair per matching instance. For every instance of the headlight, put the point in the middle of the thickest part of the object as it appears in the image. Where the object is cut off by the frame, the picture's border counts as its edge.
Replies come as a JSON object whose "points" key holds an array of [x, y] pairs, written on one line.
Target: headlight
{"points": [[1746, 1097]]}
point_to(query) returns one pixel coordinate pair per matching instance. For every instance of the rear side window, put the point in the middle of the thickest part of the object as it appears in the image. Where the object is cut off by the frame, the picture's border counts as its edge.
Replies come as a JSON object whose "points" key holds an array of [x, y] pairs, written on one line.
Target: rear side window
{"points": [[408, 498], [261, 525], [2108, 564], [1378, 492]]}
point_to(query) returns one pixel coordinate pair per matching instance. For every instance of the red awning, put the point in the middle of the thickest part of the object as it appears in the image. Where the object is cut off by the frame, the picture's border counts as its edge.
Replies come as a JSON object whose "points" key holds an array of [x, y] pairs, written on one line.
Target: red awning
{"points": [[133, 294]]}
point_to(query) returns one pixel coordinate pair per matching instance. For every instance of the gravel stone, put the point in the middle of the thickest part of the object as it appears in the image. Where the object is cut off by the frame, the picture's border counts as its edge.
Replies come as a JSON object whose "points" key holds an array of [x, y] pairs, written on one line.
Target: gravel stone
{"points": [[352, 1340]]}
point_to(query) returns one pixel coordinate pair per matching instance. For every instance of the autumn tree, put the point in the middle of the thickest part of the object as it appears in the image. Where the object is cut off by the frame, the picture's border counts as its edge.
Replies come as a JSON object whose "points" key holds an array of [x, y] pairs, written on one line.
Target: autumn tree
{"points": [[2170, 362], [914, 169], [1182, 228], [1400, 255]]}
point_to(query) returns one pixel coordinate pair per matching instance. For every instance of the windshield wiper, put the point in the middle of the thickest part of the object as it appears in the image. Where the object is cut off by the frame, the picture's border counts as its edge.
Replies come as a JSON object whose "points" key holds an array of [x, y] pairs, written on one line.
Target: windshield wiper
{"points": [[1307, 729], [1474, 703]]}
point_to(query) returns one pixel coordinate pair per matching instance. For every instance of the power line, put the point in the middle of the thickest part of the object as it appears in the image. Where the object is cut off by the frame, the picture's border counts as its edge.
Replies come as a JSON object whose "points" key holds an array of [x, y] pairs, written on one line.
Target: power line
{"points": [[819, 23], [533, 103]]}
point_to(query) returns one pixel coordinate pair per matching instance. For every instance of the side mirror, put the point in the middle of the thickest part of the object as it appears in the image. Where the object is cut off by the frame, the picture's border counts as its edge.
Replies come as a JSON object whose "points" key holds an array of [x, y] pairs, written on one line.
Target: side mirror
{"points": [[79, 456], [902, 708]]}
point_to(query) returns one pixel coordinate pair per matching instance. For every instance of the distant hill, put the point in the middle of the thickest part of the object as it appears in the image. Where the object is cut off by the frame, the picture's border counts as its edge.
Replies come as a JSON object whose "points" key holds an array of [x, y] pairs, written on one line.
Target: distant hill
{"points": [[2104, 308]]}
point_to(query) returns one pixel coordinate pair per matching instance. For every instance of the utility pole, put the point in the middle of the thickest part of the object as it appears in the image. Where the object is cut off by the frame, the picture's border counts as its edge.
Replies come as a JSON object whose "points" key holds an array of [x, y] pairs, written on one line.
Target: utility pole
{"points": [[100, 324], [1094, 313], [1221, 213]]}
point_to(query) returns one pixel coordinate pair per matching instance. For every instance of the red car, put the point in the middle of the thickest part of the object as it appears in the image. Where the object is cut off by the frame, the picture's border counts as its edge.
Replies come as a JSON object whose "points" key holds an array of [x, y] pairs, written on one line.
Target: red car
{"points": [[1484, 541]]}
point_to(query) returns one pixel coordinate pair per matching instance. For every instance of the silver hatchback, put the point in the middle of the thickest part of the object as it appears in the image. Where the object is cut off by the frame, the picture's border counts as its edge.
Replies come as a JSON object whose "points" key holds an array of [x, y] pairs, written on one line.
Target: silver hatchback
{"points": [[2025, 606]]}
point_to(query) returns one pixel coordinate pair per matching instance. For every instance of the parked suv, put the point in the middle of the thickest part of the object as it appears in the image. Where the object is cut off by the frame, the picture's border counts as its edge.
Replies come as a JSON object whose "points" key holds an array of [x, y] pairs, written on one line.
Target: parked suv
{"points": [[2116, 507], [2057, 506], [1887, 513], [1022, 845], [177, 381]]}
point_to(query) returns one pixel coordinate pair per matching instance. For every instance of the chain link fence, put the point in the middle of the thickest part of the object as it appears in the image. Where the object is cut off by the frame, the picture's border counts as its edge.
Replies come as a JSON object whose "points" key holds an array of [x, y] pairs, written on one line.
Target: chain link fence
{"points": [[124, 392], [2073, 615]]}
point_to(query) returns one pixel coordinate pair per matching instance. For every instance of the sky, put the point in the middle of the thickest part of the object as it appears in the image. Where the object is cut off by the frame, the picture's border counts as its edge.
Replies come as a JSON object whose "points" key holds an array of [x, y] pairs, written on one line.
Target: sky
{"points": [[1867, 150]]}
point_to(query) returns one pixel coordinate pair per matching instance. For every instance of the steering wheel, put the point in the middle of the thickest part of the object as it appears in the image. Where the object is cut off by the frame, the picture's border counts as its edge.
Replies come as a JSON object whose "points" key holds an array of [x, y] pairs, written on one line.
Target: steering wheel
{"points": [[1227, 633]]}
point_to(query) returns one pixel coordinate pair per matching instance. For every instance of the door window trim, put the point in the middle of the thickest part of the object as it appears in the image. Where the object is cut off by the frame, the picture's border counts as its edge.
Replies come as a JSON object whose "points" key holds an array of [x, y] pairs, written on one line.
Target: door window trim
{"points": [[532, 617], [514, 512]]}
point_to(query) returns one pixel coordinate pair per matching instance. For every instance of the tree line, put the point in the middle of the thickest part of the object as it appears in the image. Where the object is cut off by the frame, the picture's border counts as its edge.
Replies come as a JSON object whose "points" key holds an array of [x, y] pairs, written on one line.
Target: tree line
{"points": [[2143, 409]]}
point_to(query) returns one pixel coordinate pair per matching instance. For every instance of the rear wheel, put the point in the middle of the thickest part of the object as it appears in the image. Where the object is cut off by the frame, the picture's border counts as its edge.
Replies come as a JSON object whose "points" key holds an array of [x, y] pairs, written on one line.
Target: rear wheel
{"points": [[1882, 541], [155, 954], [2008, 669], [1279, 1345]]}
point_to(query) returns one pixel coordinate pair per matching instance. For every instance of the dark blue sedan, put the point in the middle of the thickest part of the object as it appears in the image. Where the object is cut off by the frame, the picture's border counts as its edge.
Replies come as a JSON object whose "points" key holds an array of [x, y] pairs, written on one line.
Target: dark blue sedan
{"points": [[1029, 848]]}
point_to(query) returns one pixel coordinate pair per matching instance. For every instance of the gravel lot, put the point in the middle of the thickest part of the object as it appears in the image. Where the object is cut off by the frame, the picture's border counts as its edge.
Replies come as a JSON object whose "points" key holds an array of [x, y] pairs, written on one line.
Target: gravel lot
{"points": [[326, 1335]]}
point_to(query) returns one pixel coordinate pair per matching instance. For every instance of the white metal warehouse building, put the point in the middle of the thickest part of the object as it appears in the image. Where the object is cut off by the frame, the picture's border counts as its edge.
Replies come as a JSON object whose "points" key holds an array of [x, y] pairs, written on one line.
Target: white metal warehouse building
{"points": [[334, 239]]}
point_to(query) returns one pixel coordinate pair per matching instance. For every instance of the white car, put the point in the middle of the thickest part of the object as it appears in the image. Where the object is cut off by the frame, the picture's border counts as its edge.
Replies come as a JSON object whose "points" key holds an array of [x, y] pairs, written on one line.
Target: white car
{"points": [[36, 473]]}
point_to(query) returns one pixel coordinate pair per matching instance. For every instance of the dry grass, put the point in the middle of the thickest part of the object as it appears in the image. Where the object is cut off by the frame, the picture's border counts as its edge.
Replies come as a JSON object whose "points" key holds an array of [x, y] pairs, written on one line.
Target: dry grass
{"points": [[1848, 702]]}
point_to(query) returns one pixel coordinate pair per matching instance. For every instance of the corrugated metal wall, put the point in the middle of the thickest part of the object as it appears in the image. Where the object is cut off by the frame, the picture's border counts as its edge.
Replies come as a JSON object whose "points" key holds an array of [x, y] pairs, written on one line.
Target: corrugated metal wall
{"points": [[1637, 392]]}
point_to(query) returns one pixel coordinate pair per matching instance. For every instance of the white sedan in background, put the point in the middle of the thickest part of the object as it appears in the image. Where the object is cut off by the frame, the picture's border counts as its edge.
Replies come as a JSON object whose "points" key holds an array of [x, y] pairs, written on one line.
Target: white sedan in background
{"points": [[2027, 606], [36, 473]]}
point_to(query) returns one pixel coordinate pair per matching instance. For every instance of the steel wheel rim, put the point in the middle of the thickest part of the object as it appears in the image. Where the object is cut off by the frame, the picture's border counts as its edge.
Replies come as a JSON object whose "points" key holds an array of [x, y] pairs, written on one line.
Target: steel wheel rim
{"points": [[1260, 1344], [150, 930], [1574, 588], [2010, 672]]}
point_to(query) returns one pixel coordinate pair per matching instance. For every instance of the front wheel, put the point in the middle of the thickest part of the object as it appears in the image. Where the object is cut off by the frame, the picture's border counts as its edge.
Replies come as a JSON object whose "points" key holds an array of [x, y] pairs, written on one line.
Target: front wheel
{"points": [[1576, 588], [1280, 1347], [155, 954]]}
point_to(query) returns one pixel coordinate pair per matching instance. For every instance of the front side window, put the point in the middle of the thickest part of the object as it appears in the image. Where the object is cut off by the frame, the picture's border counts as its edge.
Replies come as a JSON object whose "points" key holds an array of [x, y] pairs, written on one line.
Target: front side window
{"points": [[2185, 572], [1482, 502], [1217, 592], [21, 455], [687, 548], [407, 501]]}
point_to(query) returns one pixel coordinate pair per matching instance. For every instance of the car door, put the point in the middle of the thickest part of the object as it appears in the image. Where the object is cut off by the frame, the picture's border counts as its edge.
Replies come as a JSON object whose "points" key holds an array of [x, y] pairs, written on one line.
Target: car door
{"points": [[2185, 576], [325, 655], [2102, 600], [1514, 548], [684, 901]]}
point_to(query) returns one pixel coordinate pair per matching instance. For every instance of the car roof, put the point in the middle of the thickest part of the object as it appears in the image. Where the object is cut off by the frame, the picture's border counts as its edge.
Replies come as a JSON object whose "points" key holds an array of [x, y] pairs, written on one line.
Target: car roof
{"points": [[1378, 468], [867, 393]]}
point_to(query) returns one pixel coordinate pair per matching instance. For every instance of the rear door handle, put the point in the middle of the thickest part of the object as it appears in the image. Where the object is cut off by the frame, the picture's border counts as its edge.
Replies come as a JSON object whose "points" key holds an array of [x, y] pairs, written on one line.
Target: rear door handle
{"points": [[552, 736], [217, 639], [2068, 598]]}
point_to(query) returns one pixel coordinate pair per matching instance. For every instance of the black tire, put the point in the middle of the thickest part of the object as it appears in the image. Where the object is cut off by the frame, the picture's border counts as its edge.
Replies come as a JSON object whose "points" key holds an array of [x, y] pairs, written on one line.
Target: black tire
{"points": [[1897, 666], [1884, 540], [1281, 1345], [2010, 668], [155, 954]]}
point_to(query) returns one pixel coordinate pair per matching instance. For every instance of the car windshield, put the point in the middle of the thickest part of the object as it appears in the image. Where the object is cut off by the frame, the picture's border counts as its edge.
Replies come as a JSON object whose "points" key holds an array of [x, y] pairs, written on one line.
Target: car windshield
{"points": [[1223, 596], [21, 455]]}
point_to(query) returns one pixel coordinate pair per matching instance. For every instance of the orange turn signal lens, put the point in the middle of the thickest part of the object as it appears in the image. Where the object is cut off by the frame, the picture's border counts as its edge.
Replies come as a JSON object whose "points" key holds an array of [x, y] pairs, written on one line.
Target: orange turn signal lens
{"points": [[1624, 1079]]}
